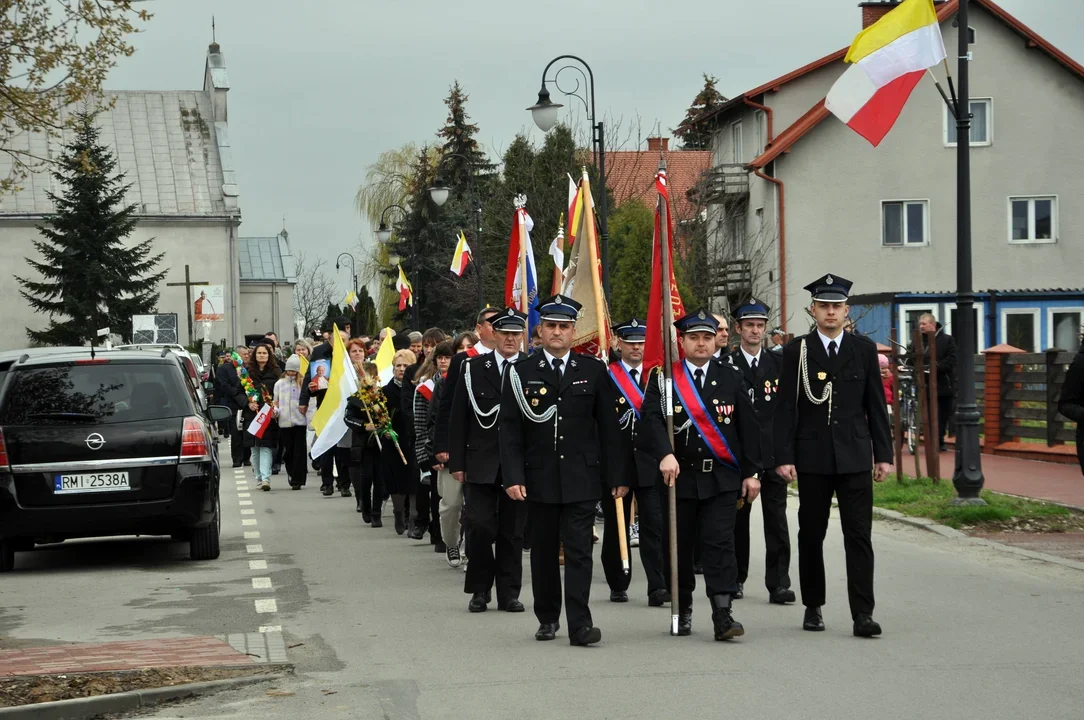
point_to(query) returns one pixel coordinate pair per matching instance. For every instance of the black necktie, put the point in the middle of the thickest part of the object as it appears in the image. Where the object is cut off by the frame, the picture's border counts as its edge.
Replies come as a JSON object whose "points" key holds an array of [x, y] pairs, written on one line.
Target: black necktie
{"points": [[557, 363], [832, 350], [699, 376], [635, 375], [753, 365]]}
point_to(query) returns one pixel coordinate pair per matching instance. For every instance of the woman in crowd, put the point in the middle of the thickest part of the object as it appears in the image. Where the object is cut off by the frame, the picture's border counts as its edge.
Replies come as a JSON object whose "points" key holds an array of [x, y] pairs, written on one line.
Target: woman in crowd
{"points": [[364, 465], [396, 473], [264, 373], [435, 365], [465, 341], [292, 424]]}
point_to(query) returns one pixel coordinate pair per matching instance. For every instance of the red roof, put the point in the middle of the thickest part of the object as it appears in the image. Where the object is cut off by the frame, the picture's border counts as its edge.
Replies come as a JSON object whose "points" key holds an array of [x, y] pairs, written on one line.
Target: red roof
{"points": [[631, 175], [783, 142]]}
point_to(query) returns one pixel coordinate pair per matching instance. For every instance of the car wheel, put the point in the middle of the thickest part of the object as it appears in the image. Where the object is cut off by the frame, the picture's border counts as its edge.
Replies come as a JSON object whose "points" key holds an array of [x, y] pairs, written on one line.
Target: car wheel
{"points": [[7, 556], [204, 543]]}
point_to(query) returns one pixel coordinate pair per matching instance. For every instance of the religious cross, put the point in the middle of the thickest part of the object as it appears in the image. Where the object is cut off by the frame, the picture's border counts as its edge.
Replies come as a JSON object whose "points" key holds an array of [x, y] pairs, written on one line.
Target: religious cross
{"points": [[187, 284]]}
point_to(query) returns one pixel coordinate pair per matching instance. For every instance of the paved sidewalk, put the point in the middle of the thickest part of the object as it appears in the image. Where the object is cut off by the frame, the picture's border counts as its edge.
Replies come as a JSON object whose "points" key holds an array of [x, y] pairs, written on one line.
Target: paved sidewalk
{"points": [[226, 650], [1057, 482]]}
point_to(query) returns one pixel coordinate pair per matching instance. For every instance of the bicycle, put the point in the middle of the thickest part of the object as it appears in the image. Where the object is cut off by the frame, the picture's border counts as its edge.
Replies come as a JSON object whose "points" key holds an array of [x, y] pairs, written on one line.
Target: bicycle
{"points": [[908, 397]]}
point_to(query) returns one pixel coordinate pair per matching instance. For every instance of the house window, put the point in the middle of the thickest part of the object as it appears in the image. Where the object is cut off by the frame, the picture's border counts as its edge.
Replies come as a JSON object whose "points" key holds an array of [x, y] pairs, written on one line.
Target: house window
{"points": [[905, 223], [982, 123], [980, 324], [1064, 326], [1020, 328], [736, 140], [1033, 219], [758, 121], [737, 235], [908, 320]]}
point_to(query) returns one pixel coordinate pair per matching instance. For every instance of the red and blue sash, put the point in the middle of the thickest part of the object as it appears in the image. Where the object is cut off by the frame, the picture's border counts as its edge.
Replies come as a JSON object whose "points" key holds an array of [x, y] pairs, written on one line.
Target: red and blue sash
{"points": [[689, 397], [632, 393]]}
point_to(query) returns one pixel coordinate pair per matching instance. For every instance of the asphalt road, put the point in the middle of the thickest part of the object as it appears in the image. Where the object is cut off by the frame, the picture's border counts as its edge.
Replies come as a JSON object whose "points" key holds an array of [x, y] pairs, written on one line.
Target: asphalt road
{"points": [[378, 627]]}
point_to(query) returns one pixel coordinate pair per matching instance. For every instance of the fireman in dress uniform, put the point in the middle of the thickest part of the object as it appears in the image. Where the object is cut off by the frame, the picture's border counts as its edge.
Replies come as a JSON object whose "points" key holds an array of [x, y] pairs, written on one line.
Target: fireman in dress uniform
{"points": [[832, 436], [761, 370], [560, 446], [628, 379], [714, 462]]}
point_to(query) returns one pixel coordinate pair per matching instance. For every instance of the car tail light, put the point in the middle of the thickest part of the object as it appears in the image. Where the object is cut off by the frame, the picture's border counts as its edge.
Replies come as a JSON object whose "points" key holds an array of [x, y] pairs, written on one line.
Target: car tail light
{"points": [[92, 361], [4, 462], [194, 441]]}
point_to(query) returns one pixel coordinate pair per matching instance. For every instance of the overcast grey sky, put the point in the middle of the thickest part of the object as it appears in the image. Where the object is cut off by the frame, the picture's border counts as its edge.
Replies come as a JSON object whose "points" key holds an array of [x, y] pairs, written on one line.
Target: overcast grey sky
{"points": [[319, 88]]}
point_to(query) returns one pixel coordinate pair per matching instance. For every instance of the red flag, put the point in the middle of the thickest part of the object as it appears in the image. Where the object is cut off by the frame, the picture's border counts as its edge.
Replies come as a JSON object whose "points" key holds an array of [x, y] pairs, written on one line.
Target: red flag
{"points": [[653, 346]]}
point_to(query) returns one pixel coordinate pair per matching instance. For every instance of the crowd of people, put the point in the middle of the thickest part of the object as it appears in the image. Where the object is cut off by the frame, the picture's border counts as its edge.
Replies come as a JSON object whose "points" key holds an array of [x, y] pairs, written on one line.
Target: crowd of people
{"points": [[496, 446]]}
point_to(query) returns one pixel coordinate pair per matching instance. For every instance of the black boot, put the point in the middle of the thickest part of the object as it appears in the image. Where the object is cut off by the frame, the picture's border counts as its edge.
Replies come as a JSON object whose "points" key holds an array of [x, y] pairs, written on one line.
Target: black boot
{"points": [[400, 524], [685, 622], [726, 627]]}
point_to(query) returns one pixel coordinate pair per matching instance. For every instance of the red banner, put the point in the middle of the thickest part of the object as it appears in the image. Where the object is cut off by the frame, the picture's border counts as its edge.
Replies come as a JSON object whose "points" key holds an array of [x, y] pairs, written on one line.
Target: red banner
{"points": [[653, 349]]}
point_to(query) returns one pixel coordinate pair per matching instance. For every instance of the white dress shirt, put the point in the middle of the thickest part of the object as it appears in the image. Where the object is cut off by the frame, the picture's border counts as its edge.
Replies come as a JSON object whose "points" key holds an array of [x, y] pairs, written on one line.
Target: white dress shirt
{"points": [[694, 368], [563, 359], [750, 358], [825, 340]]}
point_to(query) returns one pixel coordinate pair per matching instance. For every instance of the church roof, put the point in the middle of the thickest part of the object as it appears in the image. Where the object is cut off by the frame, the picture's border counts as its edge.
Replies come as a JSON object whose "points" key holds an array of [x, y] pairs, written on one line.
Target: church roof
{"points": [[265, 259], [172, 152]]}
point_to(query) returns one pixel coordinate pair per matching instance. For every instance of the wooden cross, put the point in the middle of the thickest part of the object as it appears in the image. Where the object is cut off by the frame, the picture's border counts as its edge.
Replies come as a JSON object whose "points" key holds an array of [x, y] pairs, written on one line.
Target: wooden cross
{"points": [[188, 283]]}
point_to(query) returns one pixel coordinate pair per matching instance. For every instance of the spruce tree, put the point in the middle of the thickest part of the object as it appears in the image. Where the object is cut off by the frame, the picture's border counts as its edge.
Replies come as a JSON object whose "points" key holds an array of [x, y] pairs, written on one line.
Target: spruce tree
{"points": [[693, 132], [89, 278]]}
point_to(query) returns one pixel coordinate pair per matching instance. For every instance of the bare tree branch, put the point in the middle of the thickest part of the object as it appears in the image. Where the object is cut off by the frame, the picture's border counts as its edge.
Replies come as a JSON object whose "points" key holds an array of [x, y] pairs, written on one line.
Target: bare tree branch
{"points": [[313, 292]]}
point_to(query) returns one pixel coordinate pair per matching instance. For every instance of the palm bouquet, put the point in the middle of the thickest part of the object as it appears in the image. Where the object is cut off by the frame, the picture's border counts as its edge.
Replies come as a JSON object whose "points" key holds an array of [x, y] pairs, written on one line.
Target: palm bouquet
{"points": [[376, 409]]}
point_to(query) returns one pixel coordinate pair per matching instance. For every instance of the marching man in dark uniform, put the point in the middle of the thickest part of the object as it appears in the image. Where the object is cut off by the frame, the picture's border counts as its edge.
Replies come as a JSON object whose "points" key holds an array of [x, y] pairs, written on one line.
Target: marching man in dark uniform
{"points": [[715, 461], [475, 460], [560, 445], [642, 472], [761, 370], [832, 436]]}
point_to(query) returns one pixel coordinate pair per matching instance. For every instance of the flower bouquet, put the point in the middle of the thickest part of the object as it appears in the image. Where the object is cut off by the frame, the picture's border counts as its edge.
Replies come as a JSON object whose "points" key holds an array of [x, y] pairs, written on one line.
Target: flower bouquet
{"points": [[246, 382], [376, 408]]}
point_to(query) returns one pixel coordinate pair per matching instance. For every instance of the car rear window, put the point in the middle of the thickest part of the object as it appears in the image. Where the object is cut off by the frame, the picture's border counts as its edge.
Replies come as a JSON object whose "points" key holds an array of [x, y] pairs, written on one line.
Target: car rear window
{"points": [[106, 393]]}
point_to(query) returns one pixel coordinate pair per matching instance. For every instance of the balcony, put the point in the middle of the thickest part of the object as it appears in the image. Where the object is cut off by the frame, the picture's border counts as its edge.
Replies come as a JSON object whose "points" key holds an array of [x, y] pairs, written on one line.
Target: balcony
{"points": [[721, 184], [732, 279]]}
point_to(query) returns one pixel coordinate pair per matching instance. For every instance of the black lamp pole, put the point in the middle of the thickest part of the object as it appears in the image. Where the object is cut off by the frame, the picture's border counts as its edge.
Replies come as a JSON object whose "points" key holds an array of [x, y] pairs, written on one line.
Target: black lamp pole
{"points": [[598, 140], [476, 231], [354, 272], [967, 476]]}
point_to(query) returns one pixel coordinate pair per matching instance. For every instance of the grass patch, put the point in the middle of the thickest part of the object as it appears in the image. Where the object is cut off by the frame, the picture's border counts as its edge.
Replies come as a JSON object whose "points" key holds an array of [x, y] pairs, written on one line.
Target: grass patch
{"points": [[923, 498]]}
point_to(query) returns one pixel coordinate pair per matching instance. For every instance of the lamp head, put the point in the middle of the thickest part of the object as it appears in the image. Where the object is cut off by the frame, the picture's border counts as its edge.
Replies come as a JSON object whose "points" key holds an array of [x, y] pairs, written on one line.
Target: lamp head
{"points": [[544, 111], [439, 192], [383, 234]]}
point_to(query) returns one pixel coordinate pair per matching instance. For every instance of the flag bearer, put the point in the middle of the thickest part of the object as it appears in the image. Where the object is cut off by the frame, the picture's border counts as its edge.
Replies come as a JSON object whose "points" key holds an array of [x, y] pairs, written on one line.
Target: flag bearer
{"points": [[714, 461]]}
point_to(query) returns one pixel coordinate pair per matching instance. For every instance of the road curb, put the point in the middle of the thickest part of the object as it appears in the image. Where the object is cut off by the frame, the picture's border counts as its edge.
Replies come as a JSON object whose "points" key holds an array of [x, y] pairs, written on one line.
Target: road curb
{"points": [[83, 708], [945, 531]]}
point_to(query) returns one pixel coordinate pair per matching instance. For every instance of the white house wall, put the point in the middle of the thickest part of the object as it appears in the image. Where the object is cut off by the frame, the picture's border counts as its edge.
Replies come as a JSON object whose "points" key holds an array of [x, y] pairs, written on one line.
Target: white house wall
{"points": [[267, 306]]}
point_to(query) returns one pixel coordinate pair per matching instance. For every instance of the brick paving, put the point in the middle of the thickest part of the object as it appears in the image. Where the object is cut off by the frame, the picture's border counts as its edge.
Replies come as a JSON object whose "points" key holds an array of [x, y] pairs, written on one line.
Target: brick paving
{"points": [[1057, 482], [130, 655]]}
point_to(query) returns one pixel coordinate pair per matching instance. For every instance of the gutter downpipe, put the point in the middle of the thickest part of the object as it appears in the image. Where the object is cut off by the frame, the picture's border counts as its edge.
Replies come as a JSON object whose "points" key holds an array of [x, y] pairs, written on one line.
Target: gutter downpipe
{"points": [[782, 246], [767, 112]]}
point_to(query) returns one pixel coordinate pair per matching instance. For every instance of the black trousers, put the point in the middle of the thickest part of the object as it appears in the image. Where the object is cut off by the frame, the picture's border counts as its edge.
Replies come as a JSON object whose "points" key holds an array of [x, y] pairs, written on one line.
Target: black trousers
{"points": [[944, 415], [278, 457], [773, 503], [427, 513], [295, 458], [336, 458], [570, 523], [238, 451], [651, 540], [495, 543], [854, 492], [709, 523], [365, 477]]}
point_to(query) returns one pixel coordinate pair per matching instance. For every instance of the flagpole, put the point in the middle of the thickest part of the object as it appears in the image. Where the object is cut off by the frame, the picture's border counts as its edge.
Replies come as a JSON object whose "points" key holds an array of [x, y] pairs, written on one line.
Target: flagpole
{"points": [[668, 355], [558, 271], [521, 225]]}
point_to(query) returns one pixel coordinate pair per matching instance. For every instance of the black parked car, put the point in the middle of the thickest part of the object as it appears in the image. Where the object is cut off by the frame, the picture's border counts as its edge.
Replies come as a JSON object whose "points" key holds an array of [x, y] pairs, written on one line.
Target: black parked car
{"points": [[103, 443]]}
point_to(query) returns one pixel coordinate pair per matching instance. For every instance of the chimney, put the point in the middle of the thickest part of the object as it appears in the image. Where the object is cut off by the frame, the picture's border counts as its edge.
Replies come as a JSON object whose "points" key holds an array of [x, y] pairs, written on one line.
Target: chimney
{"points": [[874, 10], [216, 82], [658, 144]]}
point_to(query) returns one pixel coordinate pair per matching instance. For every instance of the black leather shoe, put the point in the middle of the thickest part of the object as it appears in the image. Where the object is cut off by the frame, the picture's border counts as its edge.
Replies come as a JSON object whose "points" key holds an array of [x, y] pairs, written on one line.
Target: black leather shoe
{"points": [[813, 620], [345, 492], [400, 524], [781, 596], [327, 490], [547, 631], [726, 627], [658, 598], [698, 569], [377, 522], [295, 487], [741, 592], [685, 623], [477, 603], [366, 517], [276, 469], [585, 636], [416, 533], [619, 596], [866, 626], [512, 606], [237, 465]]}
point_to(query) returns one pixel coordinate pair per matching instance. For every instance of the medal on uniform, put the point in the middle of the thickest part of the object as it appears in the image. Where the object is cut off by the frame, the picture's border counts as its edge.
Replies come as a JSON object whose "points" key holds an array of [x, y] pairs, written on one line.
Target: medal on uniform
{"points": [[715, 400], [822, 376], [541, 391], [767, 390], [534, 402], [727, 410], [621, 400], [677, 408]]}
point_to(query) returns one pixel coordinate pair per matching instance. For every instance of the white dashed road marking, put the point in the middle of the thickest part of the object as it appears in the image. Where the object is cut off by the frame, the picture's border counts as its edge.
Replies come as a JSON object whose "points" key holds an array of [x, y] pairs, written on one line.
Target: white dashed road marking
{"points": [[248, 512], [257, 564], [252, 535], [245, 502], [249, 522], [244, 494], [270, 628], [261, 583], [267, 605], [253, 549]]}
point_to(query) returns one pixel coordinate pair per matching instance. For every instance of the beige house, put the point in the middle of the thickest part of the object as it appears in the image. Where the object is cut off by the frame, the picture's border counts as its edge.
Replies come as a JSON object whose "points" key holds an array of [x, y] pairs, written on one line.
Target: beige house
{"points": [[794, 193], [174, 149], [268, 279]]}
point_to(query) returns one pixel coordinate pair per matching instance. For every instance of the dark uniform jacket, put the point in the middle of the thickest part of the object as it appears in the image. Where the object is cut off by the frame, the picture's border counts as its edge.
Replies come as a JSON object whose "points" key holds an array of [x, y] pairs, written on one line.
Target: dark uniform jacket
{"points": [[471, 447], [763, 386], [641, 470], [723, 388], [1071, 402], [571, 457], [451, 378], [945, 345], [858, 434]]}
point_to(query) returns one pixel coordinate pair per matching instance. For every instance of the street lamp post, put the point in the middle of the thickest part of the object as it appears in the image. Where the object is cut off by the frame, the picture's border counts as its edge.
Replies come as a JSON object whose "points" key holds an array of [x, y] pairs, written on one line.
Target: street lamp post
{"points": [[544, 113], [439, 193], [383, 235], [354, 272], [967, 476]]}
